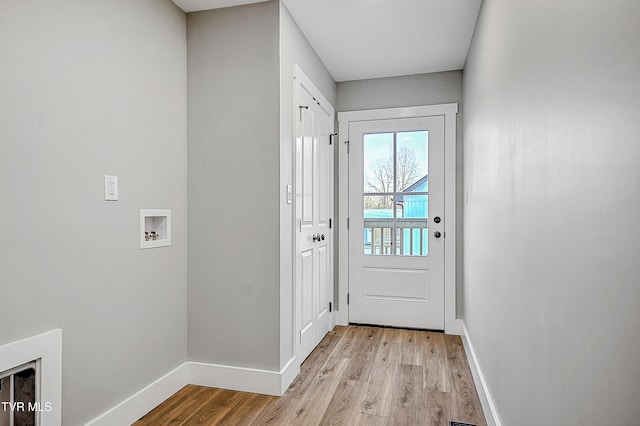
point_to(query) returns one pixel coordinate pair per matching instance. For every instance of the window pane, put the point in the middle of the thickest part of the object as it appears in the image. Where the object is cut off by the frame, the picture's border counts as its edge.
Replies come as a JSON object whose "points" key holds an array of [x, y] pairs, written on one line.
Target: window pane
{"points": [[412, 239], [412, 206], [411, 225], [378, 162], [24, 390], [378, 224], [412, 161]]}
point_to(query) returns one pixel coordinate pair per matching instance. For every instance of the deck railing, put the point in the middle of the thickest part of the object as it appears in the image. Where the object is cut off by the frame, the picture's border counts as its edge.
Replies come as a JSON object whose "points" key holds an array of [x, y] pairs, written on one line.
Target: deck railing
{"points": [[411, 237]]}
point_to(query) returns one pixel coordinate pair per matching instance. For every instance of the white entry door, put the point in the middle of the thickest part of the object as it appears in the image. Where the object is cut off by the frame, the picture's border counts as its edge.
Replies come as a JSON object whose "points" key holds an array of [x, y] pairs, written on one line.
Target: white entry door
{"points": [[314, 205], [396, 222]]}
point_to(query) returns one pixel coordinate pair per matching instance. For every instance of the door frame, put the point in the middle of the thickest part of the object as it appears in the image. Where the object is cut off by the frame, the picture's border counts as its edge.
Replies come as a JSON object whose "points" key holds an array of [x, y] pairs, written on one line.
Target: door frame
{"points": [[302, 82], [452, 325]]}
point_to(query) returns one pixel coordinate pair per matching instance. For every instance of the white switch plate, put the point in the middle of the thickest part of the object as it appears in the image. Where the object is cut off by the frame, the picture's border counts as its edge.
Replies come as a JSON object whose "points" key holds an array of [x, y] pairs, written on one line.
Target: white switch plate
{"points": [[110, 188], [289, 194]]}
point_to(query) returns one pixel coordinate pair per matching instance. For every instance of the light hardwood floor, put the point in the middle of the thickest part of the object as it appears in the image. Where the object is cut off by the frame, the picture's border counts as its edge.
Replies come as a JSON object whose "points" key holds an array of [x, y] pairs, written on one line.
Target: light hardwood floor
{"points": [[356, 376]]}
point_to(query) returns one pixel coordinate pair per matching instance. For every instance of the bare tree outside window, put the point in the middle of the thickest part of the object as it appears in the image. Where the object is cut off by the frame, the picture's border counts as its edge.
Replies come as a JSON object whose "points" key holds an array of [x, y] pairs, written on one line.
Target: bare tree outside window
{"points": [[381, 177]]}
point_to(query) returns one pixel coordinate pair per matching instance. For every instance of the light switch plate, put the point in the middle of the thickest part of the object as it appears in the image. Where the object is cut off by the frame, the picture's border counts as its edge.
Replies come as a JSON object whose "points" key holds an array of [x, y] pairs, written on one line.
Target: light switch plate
{"points": [[110, 188], [289, 194]]}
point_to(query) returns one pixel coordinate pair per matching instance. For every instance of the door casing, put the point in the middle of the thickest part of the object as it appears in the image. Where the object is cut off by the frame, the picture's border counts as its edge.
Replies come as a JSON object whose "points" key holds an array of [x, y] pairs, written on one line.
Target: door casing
{"points": [[452, 325]]}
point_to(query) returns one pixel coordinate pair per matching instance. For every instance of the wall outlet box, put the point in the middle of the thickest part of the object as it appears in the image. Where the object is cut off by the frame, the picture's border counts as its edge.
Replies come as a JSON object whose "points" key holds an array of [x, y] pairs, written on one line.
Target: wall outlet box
{"points": [[110, 188]]}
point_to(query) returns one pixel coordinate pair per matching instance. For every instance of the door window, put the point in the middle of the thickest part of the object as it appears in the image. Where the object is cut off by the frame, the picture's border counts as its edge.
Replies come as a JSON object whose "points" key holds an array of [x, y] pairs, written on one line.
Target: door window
{"points": [[396, 193]]}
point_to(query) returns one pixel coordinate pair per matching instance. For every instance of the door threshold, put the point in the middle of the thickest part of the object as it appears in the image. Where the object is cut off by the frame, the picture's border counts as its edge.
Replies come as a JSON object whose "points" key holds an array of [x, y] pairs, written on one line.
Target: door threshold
{"points": [[397, 328]]}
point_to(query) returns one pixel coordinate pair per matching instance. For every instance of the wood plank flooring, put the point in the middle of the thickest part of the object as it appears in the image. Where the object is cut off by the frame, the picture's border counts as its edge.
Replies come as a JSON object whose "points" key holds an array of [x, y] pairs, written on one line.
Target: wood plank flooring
{"points": [[356, 376]]}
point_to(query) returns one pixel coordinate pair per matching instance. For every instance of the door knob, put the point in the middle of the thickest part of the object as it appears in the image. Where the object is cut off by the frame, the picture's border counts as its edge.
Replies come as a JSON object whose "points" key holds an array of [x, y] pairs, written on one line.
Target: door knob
{"points": [[437, 234]]}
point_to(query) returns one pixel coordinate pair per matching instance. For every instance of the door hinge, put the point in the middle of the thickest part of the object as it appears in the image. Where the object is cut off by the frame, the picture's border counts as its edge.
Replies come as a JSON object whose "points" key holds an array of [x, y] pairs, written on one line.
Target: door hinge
{"points": [[301, 107], [330, 307], [348, 146], [347, 298], [330, 223], [300, 222], [348, 223], [331, 138]]}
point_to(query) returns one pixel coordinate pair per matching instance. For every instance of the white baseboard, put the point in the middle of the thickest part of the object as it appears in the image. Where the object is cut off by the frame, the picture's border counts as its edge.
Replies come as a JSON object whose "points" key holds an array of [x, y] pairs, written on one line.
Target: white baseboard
{"points": [[289, 373], [453, 327], [488, 405], [203, 374], [143, 401], [241, 378], [342, 317]]}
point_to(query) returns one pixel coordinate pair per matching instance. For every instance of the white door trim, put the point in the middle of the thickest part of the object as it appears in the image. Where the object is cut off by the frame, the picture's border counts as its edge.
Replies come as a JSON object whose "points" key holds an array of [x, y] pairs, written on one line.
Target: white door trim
{"points": [[301, 78], [449, 111]]}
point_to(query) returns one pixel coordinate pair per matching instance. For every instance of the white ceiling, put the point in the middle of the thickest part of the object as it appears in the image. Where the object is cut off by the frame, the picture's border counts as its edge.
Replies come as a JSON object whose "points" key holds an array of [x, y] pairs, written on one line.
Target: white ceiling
{"points": [[360, 39], [196, 5]]}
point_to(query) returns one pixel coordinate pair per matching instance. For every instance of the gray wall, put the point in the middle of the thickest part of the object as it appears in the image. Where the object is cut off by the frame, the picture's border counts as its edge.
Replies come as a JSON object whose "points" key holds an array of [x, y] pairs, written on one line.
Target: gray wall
{"points": [[391, 92], [88, 89], [552, 230], [414, 90], [294, 49], [233, 182]]}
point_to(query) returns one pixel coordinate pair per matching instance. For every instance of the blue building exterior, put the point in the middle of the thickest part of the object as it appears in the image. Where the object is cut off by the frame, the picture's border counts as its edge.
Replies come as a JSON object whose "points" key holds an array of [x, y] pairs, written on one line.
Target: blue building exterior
{"points": [[414, 208]]}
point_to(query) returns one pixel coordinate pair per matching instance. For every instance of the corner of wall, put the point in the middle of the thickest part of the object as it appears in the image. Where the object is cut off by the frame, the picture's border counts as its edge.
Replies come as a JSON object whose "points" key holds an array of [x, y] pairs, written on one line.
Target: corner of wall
{"points": [[486, 400]]}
